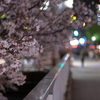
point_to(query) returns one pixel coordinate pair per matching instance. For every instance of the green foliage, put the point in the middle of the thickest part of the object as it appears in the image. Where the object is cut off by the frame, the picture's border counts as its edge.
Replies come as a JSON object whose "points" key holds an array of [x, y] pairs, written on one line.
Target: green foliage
{"points": [[93, 31]]}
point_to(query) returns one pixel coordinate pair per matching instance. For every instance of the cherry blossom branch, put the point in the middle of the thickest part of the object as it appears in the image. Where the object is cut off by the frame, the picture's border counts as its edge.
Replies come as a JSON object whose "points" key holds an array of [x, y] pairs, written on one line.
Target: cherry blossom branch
{"points": [[40, 11], [58, 43], [52, 21]]}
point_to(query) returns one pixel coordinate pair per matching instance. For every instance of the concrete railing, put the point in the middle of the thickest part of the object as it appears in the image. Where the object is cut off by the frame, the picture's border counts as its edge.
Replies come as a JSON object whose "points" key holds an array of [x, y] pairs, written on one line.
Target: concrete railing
{"points": [[54, 84]]}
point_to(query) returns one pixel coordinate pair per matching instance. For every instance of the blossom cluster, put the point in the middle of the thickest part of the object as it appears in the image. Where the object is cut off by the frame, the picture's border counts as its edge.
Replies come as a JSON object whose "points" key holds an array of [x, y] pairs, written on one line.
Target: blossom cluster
{"points": [[25, 29], [12, 52]]}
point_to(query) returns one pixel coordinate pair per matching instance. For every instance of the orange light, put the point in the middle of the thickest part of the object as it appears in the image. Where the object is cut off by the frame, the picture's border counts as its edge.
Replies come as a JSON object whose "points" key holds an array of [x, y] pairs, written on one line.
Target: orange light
{"points": [[89, 20], [74, 46]]}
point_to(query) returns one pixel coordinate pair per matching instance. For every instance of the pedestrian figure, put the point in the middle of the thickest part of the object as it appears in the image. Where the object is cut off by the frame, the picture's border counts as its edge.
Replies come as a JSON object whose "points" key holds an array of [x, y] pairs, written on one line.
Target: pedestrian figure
{"points": [[82, 55]]}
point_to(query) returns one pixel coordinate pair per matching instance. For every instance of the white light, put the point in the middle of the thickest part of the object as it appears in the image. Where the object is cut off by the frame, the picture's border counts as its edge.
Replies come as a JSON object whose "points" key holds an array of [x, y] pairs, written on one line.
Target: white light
{"points": [[99, 6], [68, 3], [76, 33], [66, 57], [28, 62], [82, 41], [93, 38], [46, 3], [2, 61], [98, 47], [74, 42]]}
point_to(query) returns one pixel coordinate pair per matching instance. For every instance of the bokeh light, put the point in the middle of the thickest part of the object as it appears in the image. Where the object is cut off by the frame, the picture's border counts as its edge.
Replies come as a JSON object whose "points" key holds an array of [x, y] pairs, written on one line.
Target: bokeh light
{"points": [[74, 42], [2, 61], [81, 41], [76, 33], [93, 38]]}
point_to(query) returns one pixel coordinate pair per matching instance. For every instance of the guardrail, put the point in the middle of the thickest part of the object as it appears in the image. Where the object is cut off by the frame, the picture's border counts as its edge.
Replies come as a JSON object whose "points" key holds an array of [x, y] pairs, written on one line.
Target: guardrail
{"points": [[54, 84]]}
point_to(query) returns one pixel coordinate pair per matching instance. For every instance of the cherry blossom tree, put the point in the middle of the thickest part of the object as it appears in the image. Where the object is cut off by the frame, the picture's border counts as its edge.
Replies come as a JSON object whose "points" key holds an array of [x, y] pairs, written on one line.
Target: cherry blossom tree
{"points": [[28, 26]]}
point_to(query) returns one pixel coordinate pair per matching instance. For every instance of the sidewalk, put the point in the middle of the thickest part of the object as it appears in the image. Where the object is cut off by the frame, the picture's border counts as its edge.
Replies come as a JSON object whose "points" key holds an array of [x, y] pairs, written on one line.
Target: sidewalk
{"points": [[76, 62], [86, 80]]}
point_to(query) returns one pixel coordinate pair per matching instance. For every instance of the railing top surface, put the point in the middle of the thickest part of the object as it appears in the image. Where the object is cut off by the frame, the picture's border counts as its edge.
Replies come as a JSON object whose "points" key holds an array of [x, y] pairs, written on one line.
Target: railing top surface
{"points": [[45, 85]]}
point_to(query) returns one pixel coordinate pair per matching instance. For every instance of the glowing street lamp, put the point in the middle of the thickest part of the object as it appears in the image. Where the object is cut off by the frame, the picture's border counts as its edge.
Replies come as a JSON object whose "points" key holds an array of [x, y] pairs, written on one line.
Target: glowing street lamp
{"points": [[76, 33], [74, 42], [82, 41], [93, 38]]}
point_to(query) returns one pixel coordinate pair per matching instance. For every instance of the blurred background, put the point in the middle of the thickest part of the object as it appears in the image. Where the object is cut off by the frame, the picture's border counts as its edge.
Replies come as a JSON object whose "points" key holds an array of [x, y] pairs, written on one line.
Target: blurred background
{"points": [[85, 38]]}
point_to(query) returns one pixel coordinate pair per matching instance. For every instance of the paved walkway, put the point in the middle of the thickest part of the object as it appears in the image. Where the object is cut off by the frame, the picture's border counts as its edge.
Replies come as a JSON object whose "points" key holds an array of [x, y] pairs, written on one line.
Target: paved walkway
{"points": [[76, 62], [86, 81]]}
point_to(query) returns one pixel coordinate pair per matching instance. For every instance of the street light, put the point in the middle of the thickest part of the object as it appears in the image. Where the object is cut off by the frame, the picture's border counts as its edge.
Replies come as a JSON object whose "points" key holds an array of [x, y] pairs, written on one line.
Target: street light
{"points": [[82, 41], [76, 33], [74, 42], [93, 38]]}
